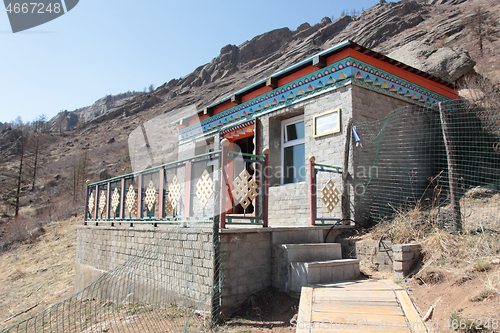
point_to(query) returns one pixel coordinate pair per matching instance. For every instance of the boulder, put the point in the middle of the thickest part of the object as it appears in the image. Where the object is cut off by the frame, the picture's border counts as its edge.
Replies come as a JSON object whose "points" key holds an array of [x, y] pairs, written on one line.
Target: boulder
{"points": [[446, 63]]}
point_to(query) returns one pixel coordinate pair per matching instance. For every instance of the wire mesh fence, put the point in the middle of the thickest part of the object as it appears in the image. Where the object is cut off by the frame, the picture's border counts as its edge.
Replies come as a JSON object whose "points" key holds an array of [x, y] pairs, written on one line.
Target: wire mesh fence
{"points": [[172, 285], [407, 160]]}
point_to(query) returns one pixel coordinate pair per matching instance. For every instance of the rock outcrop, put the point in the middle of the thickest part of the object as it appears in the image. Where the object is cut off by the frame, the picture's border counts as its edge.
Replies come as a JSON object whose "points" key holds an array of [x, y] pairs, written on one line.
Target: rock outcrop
{"points": [[447, 63]]}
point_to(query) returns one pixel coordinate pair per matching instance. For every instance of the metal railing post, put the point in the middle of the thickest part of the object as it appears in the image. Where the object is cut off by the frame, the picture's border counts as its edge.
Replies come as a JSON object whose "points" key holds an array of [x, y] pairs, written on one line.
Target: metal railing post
{"points": [[122, 199], [187, 189], [161, 199], [223, 185], [312, 189], [108, 202], [265, 191], [96, 206], [139, 196]]}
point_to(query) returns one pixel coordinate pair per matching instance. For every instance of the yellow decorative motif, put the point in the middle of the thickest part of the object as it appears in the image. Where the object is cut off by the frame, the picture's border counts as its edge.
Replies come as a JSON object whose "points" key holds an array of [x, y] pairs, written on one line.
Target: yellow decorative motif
{"points": [[115, 201], [174, 192], [169, 210], [245, 189], [204, 188], [91, 204], [330, 195], [131, 201], [150, 199], [102, 203]]}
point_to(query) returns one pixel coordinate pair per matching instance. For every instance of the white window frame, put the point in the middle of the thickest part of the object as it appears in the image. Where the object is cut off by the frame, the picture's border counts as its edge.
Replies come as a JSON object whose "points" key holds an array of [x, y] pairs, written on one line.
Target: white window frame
{"points": [[285, 143]]}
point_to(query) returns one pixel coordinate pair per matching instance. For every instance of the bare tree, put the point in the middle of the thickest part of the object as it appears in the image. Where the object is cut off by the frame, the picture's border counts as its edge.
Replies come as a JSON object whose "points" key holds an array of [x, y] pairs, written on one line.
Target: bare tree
{"points": [[19, 178], [36, 146], [483, 26], [40, 124], [79, 174]]}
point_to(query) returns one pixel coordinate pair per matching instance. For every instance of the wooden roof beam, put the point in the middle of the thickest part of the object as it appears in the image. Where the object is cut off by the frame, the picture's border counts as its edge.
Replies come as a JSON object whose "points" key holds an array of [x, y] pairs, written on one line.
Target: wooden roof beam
{"points": [[272, 82], [236, 99], [319, 61], [208, 111]]}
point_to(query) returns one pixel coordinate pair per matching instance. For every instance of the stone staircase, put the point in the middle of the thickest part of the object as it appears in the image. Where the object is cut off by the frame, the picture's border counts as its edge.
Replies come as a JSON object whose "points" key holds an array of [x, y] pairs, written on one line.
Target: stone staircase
{"points": [[316, 263]]}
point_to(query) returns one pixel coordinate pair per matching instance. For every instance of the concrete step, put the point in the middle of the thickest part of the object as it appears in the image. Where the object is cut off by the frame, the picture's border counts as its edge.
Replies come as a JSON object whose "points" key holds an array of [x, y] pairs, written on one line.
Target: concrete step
{"points": [[323, 271], [313, 251]]}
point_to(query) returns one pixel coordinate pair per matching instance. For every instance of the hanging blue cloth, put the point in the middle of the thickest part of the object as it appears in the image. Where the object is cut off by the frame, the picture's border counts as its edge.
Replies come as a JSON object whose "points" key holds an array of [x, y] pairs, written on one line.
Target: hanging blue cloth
{"points": [[356, 137]]}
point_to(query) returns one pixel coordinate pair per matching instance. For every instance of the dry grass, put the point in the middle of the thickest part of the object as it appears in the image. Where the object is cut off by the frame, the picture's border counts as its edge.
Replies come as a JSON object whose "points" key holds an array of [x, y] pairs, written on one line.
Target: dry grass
{"points": [[41, 271], [473, 249]]}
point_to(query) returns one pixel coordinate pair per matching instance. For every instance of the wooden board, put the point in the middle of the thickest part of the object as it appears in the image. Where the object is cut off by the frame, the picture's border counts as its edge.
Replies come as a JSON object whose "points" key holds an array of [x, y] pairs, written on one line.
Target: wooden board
{"points": [[362, 306]]}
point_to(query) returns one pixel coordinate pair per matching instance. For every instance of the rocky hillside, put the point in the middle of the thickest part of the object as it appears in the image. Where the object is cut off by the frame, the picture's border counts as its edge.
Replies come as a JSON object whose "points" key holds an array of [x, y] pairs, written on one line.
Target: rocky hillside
{"points": [[68, 120]]}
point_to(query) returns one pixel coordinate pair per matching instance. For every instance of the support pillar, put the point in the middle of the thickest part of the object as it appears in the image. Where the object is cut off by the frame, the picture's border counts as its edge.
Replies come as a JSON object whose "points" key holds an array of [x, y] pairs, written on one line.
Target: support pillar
{"points": [[265, 151], [312, 189], [223, 181]]}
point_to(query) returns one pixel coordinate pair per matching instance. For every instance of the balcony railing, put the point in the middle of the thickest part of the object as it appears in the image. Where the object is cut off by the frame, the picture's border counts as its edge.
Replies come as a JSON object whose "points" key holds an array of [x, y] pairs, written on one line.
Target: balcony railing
{"points": [[230, 184]]}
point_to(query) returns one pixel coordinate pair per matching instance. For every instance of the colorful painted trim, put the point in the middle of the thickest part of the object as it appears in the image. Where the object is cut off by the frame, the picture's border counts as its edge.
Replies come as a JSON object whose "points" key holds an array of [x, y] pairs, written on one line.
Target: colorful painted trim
{"points": [[238, 130], [341, 73]]}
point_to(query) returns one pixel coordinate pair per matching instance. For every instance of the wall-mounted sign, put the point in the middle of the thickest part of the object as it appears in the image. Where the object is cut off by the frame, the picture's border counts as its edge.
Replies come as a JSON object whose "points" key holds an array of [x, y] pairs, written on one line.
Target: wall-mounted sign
{"points": [[326, 123]]}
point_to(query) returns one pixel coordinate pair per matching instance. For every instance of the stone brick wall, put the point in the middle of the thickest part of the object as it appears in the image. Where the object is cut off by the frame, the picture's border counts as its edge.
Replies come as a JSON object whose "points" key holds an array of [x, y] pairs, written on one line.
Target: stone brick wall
{"points": [[180, 258], [397, 258], [246, 265], [367, 251], [289, 205], [406, 257], [369, 105], [392, 166]]}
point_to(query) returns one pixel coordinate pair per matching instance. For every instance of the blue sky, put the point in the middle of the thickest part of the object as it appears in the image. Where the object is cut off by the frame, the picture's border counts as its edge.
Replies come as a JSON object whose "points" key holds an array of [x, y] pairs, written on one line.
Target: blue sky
{"points": [[110, 46]]}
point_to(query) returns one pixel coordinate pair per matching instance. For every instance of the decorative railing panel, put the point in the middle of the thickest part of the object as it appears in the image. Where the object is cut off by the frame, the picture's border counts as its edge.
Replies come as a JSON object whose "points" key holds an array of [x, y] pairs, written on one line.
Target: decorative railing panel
{"points": [[246, 190], [178, 191], [325, 195]]}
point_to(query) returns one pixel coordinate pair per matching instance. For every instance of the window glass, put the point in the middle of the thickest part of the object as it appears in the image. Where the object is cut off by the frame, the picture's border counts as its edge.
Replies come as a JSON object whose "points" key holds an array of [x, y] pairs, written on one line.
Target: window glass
{"points": [[293, 150], [295, 131], [294, 164]]}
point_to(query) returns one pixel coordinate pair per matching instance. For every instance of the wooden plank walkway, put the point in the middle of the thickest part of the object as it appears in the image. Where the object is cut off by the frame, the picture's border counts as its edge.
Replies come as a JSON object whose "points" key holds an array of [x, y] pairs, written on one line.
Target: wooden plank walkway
{"points": [[374, 306]]}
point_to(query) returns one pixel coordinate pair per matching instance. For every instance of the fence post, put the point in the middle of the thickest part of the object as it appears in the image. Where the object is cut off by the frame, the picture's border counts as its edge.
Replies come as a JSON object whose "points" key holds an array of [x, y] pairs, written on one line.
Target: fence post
{"points": [[345, 175], [265, 151], [452, 179], [86, 203], [223, 186], [312, 189]]}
